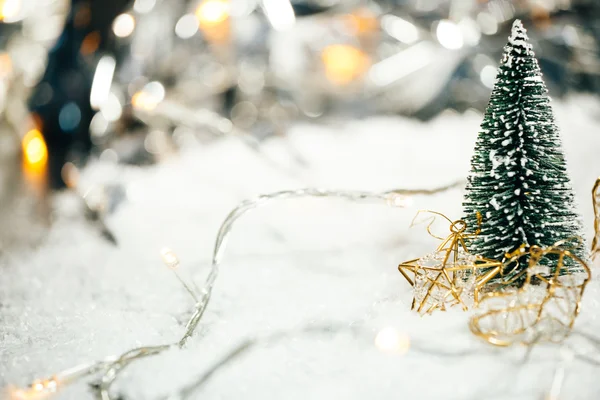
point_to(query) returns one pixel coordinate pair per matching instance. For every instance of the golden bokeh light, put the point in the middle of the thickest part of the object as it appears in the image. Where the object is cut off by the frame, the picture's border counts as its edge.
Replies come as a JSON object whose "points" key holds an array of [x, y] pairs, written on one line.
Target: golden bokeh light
{"points": [[9, 10], [37, 391], [143, 101], [151, 95], [344, 63], [6, 65], [361, 21], [213, 20], [35, 152], [211, 13]]}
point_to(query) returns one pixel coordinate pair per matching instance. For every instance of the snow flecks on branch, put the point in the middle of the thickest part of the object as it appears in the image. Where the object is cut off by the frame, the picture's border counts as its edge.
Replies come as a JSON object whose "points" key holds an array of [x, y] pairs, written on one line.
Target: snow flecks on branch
{"points": [[519, 154]]}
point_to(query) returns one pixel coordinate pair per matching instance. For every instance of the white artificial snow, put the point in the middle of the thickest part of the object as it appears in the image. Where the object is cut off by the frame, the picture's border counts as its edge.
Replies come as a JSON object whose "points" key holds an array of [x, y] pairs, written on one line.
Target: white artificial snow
{"points": [[496, 162], [536, 78], [77, 298]]}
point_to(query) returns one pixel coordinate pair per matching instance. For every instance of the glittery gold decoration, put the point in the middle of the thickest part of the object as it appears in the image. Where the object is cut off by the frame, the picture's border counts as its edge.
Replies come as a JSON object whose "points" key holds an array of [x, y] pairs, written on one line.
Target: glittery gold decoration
{"points": [[451, 275], [543, 309], [596, 203]]}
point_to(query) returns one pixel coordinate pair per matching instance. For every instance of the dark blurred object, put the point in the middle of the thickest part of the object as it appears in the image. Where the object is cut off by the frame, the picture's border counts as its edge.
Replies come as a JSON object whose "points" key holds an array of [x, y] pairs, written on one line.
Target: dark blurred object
{"points": [[60, 103], [303, 9]]}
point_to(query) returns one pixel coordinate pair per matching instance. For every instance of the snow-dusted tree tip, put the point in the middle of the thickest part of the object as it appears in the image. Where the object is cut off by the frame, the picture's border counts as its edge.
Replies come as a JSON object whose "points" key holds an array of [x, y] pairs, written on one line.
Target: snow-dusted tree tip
{"points": [[518, 35], [517, 26]]}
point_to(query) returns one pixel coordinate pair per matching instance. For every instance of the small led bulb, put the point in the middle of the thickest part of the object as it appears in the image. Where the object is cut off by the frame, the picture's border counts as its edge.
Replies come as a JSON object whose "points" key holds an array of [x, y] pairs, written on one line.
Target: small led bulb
{"points": [[389, 340], [172, 262], [37, 386], [398, 200], [169, 258]]}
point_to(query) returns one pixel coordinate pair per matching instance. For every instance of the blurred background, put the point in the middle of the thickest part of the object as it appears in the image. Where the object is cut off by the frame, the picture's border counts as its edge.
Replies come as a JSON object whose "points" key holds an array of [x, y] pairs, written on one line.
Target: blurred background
{"points": [[133, 82]]}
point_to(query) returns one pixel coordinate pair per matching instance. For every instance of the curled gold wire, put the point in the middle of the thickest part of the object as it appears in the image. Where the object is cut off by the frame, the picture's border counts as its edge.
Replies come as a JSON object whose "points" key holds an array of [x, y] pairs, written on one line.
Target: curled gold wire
{"points": [[514, 307], [431, 220], [446, 277], [439, 286]]}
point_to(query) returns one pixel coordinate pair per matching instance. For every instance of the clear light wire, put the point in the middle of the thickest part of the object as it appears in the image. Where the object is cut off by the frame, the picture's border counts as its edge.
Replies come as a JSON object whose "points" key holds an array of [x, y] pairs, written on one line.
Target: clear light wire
{"points": [[112, 366], [247, 344], [566, 354], [390, 198]]}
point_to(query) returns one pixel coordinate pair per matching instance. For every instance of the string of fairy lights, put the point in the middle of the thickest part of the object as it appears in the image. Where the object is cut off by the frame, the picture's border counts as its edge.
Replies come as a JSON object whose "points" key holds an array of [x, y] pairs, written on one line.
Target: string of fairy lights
{"points": [[109, 368]]}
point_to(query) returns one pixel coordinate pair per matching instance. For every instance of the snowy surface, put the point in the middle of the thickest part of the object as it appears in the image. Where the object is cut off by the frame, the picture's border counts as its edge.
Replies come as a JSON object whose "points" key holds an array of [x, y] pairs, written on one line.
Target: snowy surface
{"points": [[289, 266]]}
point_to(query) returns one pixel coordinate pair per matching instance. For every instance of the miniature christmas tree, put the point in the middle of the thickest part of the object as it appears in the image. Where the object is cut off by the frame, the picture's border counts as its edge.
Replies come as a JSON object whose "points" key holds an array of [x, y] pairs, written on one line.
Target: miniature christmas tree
{"points": [[518, 181]]}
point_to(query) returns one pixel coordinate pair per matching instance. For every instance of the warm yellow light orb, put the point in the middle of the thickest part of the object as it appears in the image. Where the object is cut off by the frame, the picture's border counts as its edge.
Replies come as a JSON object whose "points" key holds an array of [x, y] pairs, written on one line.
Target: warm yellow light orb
{"points": [[212, 12], [361, 21], [344, 63], [169, 258], [6, 65], [141, 100], [389, 340], [9, 10], [149, 97], [35, 152], [37, 391]]}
